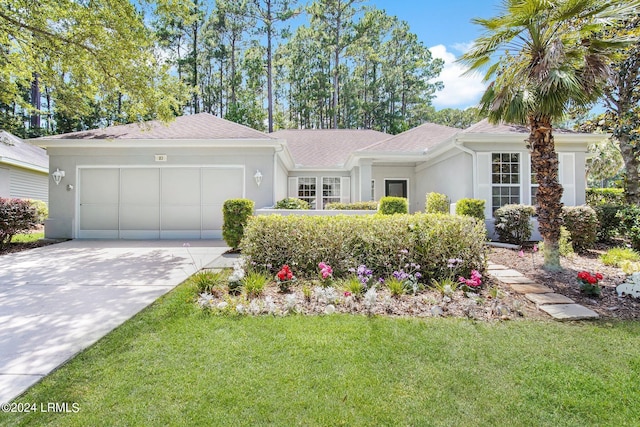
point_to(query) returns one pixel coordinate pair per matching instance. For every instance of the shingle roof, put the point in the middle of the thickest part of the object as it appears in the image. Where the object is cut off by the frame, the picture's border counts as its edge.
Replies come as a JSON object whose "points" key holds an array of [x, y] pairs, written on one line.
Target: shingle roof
{"points": [[417, 139], [195, 126], [484, 126], [13, 148], [326, 147]]}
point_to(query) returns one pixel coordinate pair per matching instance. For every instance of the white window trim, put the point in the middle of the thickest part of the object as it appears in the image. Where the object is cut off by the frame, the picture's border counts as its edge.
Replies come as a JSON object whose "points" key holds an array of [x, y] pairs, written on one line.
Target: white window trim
{"points": [[522, 178], [320, 201]]}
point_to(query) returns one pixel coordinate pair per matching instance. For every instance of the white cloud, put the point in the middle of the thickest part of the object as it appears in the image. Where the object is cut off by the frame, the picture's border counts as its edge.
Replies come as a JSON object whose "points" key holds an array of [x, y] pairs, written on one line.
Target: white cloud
{"points": [[459, 91]]}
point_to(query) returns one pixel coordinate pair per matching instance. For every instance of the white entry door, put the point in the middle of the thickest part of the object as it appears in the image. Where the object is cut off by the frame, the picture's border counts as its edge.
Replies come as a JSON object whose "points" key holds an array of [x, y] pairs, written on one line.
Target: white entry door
{"points": [[156, 203]]}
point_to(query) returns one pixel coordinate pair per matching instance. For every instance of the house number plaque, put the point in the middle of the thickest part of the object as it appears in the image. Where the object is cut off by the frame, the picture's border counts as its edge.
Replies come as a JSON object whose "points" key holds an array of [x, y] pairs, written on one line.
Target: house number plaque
{"points": [[161, 157]]}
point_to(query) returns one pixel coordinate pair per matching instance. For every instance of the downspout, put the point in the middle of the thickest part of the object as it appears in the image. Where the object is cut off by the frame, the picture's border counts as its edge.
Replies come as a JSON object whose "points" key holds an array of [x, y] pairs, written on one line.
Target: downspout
{"points": [[275, 172], [474, 165]]}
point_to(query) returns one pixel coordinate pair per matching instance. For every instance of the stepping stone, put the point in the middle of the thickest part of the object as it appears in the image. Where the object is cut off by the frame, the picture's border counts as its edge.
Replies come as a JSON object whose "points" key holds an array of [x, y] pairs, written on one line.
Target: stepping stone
{"points": [[551, 298], [531, 289], [492, 266], [506, 273], [569, 312], [517, 280]]}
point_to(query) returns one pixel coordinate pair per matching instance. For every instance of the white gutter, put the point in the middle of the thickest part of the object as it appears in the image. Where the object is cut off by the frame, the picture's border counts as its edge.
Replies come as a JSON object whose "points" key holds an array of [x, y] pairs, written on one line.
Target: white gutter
{"points": [[24, 165]]}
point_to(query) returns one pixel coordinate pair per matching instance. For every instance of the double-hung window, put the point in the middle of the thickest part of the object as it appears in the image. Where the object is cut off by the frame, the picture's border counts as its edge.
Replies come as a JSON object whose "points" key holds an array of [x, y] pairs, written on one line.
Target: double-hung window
{"points": [[330, 190], [505, 179], [307, 190]]}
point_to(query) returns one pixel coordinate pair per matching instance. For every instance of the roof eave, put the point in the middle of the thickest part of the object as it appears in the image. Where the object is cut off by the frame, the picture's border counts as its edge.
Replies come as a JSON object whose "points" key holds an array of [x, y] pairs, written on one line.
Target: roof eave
{"points": [[155, 143], [24, 165]]}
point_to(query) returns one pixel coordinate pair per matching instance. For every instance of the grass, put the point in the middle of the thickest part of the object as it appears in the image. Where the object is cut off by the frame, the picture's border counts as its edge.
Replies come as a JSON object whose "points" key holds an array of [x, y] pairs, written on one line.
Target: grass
{"points": [[27, 238], [174, 365]]}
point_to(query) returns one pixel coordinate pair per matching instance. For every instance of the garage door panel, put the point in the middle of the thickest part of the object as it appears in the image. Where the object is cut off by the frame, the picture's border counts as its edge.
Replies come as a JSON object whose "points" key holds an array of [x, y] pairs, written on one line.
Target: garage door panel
{"points": [[181, 217], [212, 217], [99, 186], [99, 217], [140, 186], [221, 184], [180, 186], [137, 217]]}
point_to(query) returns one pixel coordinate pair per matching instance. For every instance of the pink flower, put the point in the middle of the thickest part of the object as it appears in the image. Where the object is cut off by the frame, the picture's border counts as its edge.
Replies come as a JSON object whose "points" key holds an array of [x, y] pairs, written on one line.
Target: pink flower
{"points": [[535, 248], [325, 270], [347, 294], [521, 253]]}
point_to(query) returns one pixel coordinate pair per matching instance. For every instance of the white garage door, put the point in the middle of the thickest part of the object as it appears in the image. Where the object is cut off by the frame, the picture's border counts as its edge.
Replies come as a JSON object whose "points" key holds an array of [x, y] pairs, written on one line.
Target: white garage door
{"points": [[155, 203]]}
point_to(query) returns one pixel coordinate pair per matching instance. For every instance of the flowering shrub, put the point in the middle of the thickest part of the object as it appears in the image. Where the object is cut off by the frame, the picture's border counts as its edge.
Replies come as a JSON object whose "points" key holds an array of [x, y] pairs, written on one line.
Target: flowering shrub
{"points": [[284, 277], [474, 282], [409, 276], [589, 283], [365, 275]]}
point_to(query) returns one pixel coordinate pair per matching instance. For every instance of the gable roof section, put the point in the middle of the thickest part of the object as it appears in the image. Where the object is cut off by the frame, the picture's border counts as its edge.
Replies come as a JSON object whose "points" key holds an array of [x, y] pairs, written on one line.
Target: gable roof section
{"points": [[414, 140], [483, 126], [326, 148], [195, 126], [15, 151]]}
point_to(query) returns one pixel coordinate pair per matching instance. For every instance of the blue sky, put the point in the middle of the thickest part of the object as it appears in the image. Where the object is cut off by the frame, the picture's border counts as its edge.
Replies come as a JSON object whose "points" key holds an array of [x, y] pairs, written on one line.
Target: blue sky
{"points": [[445, 27]]}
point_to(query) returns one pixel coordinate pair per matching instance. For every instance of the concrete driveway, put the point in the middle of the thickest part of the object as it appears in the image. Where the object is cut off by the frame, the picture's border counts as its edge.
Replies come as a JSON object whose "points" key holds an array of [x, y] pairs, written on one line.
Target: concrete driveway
{"points": [[57, 300]]}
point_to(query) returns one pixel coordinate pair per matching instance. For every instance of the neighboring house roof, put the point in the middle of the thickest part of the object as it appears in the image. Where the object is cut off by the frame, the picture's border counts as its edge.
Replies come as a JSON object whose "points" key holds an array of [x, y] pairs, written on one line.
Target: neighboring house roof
{"points": [[326, 148], [195, 126], [17, 152], [418, 139], [484, 126]]}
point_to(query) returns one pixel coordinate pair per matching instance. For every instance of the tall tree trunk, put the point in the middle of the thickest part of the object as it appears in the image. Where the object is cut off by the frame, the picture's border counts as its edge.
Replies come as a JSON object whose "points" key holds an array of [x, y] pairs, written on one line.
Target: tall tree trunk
{"points": [[544, 162], [631, 165], [196, 102], [269, 69], [35, 102]]}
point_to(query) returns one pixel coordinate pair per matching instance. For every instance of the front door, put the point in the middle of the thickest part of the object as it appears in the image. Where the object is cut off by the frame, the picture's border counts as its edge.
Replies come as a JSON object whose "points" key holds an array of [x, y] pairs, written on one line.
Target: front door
{"points": [[395, 188]]}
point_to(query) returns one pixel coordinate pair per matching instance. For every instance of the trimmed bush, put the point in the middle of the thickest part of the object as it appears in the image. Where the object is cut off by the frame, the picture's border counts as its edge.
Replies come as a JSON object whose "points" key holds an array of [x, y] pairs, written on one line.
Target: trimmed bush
{"points": [[582, 224], [394, 205], [471, 207], [382, 243], [236, 213], [605, 196], [630, 224], [16, 216], [355, 206], [513, 223], [608, 220], [42, 211], [292, 203], [437, 203]]}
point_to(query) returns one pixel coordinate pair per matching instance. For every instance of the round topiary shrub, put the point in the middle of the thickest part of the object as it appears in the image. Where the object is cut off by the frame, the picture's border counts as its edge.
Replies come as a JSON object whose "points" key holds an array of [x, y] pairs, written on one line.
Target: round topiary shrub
{"points": [[437, 203], [292, 203], [471, 207], [513, 223], [236, 213]]}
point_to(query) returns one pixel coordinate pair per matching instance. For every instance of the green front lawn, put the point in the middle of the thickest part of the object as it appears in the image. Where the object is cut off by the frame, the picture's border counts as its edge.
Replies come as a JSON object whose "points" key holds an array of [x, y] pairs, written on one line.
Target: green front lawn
{"points": [[173, 365], [27, 238]]}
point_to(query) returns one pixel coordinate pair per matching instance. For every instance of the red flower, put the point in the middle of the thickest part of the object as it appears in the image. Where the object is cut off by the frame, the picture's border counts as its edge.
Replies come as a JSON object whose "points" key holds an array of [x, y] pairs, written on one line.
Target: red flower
{"points": [[285, 273], [599, 276], [592, 280]]}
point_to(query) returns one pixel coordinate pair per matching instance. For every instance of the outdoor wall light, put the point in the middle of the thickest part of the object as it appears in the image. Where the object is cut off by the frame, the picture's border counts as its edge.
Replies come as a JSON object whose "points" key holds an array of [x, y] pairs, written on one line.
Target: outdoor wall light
{"points": [[258, 177], [57, 176]]}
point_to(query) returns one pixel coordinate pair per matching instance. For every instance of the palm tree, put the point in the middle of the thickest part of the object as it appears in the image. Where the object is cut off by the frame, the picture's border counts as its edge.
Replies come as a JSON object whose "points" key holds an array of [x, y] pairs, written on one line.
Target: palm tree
{"points": [[552, 57]]}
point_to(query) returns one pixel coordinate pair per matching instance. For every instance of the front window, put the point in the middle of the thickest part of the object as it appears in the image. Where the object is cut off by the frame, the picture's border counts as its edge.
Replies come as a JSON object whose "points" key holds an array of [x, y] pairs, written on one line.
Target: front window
{"points": [[330, 190], [373, 189], [505, 179], [534, 188], [307, 190]]}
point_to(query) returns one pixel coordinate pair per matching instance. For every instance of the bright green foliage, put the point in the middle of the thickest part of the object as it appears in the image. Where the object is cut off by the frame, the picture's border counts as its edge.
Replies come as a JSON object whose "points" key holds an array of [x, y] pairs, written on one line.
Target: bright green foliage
{"points": [[437, 203], [354, 286], [582, 224], [395, 286], [42, 211], [471, 207], [254, 283], [16, 216], [382, 243], [565, 248], [616, 256], [292, 203], [355, 206], [604, 196], [27, 237], [235, 213], [630, 224], [393, 205], [513, 223]]}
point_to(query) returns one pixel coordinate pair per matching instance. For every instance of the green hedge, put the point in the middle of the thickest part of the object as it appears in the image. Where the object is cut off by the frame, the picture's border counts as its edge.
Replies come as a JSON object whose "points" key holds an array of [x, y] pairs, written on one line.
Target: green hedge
{"points": [[582, 224], [630, 224], [292, 203], [471, 207], [609, 221], [513, 223], [236, 213], [437, 203], [355, 206], [393, 205], [604, 196], [382, 243]]}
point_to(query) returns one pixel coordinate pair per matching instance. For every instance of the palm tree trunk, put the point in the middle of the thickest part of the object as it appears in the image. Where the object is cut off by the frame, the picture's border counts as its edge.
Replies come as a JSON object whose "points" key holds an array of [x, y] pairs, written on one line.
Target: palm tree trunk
{"points": [[544, 162]]}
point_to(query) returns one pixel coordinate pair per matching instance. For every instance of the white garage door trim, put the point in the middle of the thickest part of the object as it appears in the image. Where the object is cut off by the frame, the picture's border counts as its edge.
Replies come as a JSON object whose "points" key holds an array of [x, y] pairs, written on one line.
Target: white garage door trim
{"points": [[162, 207]]}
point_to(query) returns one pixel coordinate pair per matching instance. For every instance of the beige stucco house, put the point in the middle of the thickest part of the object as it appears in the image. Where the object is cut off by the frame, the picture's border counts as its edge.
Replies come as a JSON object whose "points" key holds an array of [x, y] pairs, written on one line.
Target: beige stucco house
{"points": [[158, 181]]}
